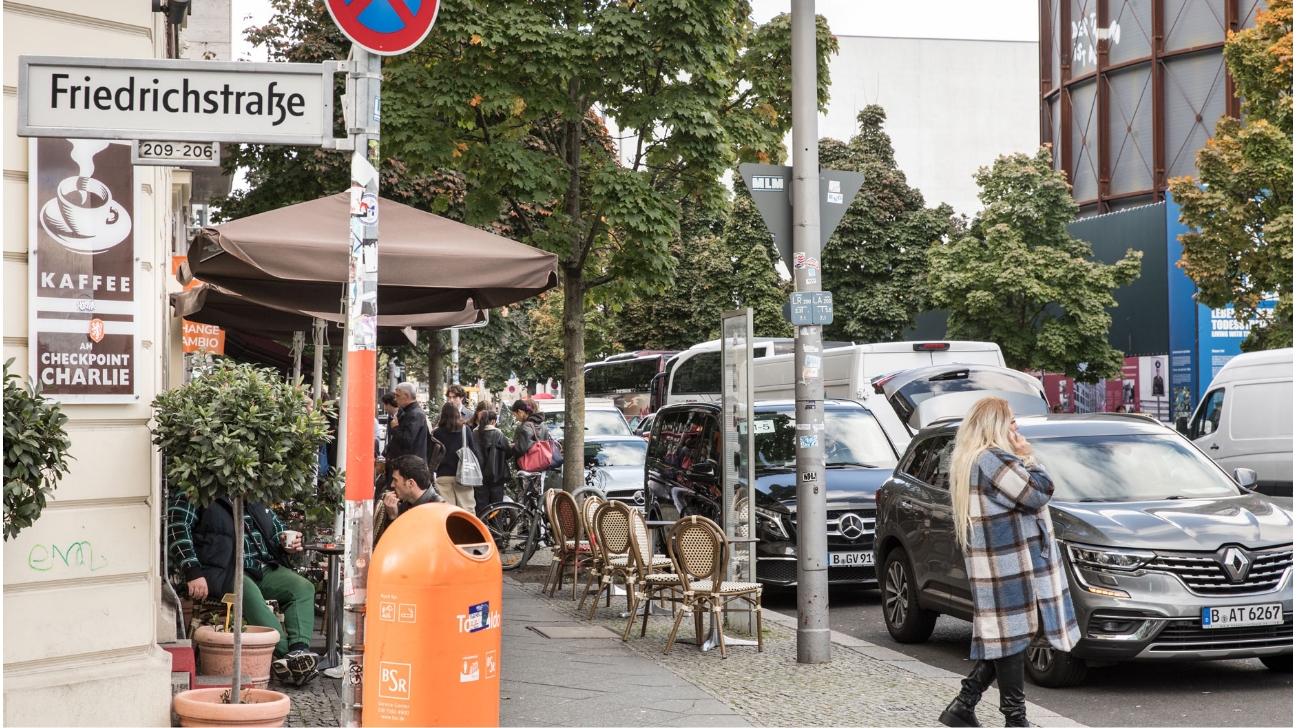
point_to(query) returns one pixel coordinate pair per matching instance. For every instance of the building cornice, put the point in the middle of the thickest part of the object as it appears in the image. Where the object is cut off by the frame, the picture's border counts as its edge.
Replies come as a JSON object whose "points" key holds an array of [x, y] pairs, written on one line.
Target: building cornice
{"points": [[60, 16]]}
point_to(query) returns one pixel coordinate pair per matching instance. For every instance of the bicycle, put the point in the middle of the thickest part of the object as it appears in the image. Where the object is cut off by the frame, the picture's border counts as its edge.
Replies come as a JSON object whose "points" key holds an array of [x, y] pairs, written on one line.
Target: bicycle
{"points": [[519, 527]]}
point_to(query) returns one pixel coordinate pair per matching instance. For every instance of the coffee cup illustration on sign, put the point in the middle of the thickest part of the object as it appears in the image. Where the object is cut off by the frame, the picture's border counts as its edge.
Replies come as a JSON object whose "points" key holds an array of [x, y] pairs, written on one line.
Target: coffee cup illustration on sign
{"points": [[83, 216]]}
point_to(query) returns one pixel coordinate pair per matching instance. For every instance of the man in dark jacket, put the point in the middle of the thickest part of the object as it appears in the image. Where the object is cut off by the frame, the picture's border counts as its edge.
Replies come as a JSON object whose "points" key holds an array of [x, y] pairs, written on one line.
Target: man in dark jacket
{"points": [[409, 425], [410, 487], [202, 540]]}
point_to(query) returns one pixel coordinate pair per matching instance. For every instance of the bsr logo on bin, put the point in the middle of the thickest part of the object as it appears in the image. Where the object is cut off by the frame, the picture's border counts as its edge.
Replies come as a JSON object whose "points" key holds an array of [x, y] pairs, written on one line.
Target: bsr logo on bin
{"points": [[397, 681], [478, 617]]}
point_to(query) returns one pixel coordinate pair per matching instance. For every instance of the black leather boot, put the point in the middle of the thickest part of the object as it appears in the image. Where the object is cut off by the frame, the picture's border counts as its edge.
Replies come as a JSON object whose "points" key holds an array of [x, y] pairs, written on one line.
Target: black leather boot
{"points": [[1010, 681], [961, 710]]}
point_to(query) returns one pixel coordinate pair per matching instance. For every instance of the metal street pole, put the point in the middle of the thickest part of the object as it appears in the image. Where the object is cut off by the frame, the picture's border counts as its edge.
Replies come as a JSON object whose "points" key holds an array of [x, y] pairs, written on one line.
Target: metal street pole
{"points": [[453, 338], [365, 79], [813, 637], [318, 361]]}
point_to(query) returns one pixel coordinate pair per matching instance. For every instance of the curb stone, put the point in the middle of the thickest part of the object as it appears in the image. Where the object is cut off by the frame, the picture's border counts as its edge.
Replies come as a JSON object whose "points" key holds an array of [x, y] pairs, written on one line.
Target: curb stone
{"points": [[1037, 715]]}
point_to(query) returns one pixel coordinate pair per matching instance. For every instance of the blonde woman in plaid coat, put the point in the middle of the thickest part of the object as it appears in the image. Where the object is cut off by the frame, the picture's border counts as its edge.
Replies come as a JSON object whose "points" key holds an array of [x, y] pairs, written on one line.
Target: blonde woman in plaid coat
{"points": [[1002, 521]]}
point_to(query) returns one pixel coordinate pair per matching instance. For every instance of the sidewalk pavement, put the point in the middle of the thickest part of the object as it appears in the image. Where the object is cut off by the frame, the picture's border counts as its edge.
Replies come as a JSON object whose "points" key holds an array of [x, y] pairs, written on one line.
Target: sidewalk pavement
{"points": [[591, 677]]}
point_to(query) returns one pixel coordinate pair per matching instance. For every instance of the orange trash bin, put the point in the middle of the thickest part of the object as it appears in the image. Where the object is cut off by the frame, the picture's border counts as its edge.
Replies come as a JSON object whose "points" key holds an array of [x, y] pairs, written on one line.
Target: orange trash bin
{"points": [[434, 622]]}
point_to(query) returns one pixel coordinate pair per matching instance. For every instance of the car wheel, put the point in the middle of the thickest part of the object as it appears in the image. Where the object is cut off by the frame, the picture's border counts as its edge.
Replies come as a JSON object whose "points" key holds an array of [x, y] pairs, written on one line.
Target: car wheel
{"points": [[1051, 668], [903, 616], [1278, 663]]}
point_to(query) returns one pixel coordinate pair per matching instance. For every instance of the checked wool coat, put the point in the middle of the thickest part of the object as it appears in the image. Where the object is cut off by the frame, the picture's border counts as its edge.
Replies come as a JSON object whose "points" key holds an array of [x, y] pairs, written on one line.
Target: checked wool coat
{"points": [[1016, 572]]}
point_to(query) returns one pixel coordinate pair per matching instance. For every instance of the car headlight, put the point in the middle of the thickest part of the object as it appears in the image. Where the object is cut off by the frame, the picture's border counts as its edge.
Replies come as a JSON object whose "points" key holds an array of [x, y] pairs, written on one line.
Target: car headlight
{"points": [[770, 521], [1102, 558]]}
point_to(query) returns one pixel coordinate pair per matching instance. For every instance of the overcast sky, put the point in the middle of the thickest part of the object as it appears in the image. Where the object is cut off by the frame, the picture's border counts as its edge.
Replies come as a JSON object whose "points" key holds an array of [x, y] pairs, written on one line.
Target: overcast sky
{"points": [[983, 19]]}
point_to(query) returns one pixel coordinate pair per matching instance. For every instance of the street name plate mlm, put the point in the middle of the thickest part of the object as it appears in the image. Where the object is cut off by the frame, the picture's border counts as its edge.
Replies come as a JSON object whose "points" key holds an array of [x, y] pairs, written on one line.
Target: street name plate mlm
{"points": [[175, 100]]}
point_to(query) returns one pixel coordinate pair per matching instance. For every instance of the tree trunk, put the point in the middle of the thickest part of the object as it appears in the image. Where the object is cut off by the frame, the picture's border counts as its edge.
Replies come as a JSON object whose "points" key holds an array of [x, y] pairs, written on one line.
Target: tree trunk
{"points": [[236, 683], [435, 375], [572, 326]]}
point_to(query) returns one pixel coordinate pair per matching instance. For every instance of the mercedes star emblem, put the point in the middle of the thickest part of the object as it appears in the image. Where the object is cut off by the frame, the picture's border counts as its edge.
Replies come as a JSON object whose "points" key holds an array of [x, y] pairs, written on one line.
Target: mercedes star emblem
{"points": [[638, 498], [1236, 564], [851, 526]]}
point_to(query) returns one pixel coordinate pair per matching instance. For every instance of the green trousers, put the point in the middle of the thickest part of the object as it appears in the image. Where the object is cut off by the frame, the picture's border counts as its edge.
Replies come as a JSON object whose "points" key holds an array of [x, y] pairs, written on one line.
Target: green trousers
{"points": [[295, 596]]}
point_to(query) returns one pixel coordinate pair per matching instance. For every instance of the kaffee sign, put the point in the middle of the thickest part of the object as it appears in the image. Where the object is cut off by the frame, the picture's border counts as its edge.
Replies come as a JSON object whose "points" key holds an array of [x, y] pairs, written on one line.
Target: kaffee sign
{"points": [[83, 304]]}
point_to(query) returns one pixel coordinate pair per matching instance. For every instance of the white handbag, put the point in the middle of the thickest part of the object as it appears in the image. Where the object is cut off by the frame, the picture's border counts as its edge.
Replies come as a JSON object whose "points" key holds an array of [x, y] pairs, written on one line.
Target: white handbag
{"points": [[469, 472]]}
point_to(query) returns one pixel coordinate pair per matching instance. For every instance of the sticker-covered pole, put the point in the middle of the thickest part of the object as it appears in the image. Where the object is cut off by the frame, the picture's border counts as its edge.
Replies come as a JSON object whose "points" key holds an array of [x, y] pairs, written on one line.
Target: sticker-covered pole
{"points": [[361, 358], [813, 636]]}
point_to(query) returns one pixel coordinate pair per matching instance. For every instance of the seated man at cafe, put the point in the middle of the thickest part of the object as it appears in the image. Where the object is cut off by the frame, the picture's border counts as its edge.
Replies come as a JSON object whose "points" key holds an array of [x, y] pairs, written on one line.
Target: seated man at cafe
{"points": [[411, 486], [202, 540]]}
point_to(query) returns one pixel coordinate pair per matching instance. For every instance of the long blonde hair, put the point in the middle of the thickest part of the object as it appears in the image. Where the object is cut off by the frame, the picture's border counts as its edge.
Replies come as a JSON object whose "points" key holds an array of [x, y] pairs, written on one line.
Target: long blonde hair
{"points": [[986, 425]]}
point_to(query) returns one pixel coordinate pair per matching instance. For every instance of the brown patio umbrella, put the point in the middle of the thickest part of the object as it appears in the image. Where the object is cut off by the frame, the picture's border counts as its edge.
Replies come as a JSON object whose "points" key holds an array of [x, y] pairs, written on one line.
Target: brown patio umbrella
{"points": [[298, 257], [207, 303]]}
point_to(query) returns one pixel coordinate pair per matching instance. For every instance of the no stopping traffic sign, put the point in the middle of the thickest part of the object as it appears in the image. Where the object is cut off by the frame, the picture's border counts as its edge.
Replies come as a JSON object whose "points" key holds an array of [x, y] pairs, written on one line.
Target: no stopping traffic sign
{"points": [[384, 27]]}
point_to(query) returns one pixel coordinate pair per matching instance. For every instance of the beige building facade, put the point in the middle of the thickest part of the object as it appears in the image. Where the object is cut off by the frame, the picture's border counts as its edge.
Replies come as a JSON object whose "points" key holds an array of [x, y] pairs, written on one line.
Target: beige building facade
{"points": [[83, 611]]}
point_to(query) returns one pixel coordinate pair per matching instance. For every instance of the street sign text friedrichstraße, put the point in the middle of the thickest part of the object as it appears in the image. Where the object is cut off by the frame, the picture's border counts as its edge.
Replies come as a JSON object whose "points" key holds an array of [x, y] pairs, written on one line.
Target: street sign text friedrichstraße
{"points": [[175, 100]]}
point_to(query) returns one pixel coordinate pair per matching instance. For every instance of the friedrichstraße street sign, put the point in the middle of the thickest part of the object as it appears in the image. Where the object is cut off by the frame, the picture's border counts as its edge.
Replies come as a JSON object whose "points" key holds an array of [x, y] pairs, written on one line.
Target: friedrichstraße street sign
{"points": [[175, 100], [384, 27], [769, 185]]}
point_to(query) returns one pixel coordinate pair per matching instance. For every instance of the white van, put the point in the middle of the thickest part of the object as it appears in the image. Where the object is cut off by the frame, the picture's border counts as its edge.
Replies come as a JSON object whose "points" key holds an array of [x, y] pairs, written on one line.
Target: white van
{"points": [[1245, 419], [847, 372]]}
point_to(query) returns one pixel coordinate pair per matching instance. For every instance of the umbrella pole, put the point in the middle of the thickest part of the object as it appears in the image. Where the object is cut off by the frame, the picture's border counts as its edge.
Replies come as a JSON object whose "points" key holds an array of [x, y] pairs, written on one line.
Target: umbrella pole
{"points": [[318, 361], [298, 347]]}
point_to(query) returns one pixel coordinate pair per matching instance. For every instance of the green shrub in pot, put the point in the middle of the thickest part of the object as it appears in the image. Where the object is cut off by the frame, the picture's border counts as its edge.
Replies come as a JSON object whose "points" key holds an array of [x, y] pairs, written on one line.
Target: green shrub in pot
{"points": [[35, 452], [242, 433]]}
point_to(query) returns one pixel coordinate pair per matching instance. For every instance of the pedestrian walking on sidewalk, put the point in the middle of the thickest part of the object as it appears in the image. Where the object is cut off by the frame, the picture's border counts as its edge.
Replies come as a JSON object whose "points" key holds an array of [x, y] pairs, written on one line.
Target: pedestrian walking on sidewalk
{"points": [[452, 431], [530, 429], [1003, 524], [495, 455], [474, 422]]}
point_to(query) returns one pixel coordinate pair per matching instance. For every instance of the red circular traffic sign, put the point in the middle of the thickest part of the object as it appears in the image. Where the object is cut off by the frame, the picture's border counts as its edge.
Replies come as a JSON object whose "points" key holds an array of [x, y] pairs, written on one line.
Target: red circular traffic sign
{"points": [[384, 27]]}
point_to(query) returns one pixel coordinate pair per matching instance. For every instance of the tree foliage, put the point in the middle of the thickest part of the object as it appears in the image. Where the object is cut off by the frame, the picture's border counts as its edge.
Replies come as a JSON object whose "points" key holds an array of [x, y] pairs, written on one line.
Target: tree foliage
{"points": [[1018, 278], [875, 262], [1240, 209], [35, 452], [517, 96]]}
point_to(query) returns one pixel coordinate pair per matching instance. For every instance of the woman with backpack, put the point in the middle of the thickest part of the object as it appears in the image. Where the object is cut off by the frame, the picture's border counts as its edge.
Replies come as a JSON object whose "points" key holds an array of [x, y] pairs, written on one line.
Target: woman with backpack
{"points": [[495, 456], [452, 432]]}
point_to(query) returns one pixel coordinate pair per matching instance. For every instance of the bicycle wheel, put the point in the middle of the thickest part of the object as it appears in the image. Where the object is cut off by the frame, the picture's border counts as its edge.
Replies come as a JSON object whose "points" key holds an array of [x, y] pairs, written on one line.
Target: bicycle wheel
{"points": [[586, 491], [515, 530]]}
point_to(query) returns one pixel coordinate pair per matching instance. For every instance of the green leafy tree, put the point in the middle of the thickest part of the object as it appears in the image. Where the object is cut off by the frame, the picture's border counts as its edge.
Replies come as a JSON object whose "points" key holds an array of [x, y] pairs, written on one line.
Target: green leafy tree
{"points": [[1016, 276], [875, 262], [1240, 209], [516, 96], [239, 432], [35, 452]]}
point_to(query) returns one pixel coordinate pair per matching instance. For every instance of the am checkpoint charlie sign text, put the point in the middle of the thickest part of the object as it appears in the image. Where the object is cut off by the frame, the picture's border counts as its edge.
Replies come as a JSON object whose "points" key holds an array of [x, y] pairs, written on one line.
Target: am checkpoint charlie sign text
{"points": [[161, 99]]}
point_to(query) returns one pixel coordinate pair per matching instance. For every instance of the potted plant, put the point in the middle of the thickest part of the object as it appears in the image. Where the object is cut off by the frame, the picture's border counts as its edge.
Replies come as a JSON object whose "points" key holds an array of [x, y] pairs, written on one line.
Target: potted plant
{"points": [[238, 432], [35, 452]]}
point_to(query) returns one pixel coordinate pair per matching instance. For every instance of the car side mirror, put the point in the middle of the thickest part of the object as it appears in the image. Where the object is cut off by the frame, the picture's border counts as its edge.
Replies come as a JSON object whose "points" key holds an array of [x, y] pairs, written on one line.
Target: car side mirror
{"points": [[1247, 477], [705, 469], [1183, 426]]}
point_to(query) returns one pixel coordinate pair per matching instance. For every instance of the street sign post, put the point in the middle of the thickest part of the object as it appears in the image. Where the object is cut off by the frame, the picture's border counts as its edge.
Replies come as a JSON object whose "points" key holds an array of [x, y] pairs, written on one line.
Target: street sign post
{"points": [[175, 100], [385, 27], [807, 309]]}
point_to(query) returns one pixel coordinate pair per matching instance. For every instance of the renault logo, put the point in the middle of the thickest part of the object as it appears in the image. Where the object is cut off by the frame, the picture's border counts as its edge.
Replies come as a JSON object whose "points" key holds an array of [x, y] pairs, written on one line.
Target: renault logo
{"points": [[851, 526], [1236, 563]]}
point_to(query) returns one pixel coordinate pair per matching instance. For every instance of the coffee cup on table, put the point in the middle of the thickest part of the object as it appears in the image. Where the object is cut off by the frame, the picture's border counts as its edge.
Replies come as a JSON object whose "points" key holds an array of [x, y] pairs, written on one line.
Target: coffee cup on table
{"points": [[86, 205]]}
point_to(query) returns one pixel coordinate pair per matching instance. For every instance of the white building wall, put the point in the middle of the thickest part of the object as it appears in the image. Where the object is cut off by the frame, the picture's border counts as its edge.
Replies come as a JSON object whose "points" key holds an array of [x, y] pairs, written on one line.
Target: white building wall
{"points": [[80, 636], [953, 106]]}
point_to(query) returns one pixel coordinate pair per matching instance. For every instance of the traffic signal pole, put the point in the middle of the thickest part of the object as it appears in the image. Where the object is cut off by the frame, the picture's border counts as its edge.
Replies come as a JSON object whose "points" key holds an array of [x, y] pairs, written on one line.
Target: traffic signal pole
{"points": [[365, 82], [813, 636]]}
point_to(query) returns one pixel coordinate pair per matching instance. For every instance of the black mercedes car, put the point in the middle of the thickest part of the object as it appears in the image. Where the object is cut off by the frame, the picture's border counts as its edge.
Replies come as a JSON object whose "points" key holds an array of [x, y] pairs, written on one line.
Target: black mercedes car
{"points": [[683, 478]]}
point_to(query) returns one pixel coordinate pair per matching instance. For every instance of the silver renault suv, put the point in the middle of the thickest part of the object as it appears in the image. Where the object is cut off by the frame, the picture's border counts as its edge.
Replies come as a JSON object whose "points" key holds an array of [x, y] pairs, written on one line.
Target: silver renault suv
{"points": [[1168, 557]]}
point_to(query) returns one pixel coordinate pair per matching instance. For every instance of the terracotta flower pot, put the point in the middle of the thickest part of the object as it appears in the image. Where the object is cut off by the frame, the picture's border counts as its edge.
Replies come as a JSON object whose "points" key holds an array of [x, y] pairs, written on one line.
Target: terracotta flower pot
{"points": [[205, 707], [215, 652]]}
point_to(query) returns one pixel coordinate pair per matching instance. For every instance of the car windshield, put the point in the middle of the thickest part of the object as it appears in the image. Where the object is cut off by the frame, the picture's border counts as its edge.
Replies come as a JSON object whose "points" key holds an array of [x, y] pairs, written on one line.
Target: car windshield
{"points": [[596, 422], [1130, 468], [619, 452], [851, 438]]}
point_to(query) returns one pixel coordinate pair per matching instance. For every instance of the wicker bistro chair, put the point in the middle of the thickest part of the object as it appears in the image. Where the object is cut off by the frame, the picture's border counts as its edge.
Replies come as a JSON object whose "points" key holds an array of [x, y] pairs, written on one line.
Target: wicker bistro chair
{"points": [[615, 542], [597, 564], [548, 497], [572, 549], [700, 552], [650, 576]]}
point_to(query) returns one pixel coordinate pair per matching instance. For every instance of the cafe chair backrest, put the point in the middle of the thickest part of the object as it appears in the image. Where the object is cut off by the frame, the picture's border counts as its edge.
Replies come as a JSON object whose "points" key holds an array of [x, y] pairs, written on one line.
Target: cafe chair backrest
{"points": [[565, 516], [696, 547], [613, 529]]}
